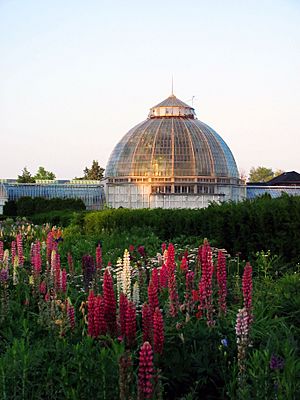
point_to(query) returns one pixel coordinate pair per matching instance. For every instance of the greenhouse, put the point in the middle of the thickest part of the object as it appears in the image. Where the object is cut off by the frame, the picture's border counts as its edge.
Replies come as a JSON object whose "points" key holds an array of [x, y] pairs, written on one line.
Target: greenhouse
{"points": [[90, 192], [172, 160]]}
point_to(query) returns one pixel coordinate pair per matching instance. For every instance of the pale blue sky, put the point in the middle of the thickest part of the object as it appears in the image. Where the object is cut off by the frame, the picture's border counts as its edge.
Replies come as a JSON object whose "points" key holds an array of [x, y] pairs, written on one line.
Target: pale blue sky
{"points": [[75, 76]]}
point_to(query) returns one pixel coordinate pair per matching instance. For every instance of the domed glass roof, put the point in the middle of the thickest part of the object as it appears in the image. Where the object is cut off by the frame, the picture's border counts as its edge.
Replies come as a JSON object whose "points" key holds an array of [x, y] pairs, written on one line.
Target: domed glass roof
{"points": [[171, 143]]}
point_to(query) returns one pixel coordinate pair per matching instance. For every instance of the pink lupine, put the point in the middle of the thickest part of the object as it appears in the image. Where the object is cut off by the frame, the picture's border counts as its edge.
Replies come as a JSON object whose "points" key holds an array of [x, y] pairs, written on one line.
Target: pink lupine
{"points": [[43, 287], [222, 282], [57, 273], [13, 251], [36, 258], [20, 249], [91, 307], [147, 322], [71, 315], [146, 372], [122, 313], [163, 277], [98, 257], [152, 296], [130, 326], [64, 280], [109, 303], [247, 288], [158, 332], [70, 263], [242, 327], [1, 251], [205, 284], [49, 246]]}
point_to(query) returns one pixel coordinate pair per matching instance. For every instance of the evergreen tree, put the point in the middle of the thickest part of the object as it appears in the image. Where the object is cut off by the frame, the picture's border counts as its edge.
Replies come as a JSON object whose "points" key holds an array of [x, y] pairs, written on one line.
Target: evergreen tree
{"points": [[93, 173], [25, 177]]}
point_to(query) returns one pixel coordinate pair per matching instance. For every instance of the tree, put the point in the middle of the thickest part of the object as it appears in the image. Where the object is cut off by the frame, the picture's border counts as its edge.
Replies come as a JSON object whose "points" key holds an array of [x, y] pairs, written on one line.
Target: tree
{"points": [[93, 173], [25, 177], [263, 174], [42, 174]]}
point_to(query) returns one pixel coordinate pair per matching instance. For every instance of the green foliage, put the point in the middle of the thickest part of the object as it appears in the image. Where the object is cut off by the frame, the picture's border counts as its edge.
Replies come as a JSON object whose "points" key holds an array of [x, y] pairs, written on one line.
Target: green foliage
{"points": [[42, 174], [61, 218], [263, 224], [263, 174], [94, 173], [28, 206], [41, 357], [25, 177]]}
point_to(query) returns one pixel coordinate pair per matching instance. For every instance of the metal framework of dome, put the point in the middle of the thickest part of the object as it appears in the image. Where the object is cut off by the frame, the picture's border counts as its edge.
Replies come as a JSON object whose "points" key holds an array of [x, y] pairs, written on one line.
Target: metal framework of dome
{"points": [[171, 152]]}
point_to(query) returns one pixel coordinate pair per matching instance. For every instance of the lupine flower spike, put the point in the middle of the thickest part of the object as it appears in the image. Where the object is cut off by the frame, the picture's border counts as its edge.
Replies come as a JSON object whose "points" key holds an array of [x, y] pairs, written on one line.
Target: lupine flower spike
{"points": [[146, 372]]}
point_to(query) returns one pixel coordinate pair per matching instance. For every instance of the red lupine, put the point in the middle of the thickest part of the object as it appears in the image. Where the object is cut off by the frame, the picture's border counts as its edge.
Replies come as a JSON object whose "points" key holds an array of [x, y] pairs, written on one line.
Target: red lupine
{"points": [[247, 288], [184, 265], [20, 249], [103, 326], [155, 277], [91, 307], [141, 251], [163, 248], [146, 372], [195, 295], [163, 276], [122, 313], [189, 280], [109, 303], [147, 321], [222, 282], [158, 332], [130, 324], [97, 311], [71, 315], [152, 296], [64, 280], [173, 295], [171, 259], [131, 248], [98, 257], [1, 251]]}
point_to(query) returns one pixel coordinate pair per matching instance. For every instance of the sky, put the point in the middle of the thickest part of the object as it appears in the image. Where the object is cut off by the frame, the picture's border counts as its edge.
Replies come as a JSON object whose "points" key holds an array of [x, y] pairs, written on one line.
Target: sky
{"points": [[75, 76]]}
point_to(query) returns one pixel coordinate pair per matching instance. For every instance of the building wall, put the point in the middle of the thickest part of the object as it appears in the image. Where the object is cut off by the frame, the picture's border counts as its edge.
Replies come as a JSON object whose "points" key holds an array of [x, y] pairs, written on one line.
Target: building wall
{"points": [[140, 196]]}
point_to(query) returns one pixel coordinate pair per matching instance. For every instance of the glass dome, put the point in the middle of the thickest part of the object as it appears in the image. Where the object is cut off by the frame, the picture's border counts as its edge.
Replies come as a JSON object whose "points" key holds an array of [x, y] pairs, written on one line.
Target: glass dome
{"points": [[171, 143]]}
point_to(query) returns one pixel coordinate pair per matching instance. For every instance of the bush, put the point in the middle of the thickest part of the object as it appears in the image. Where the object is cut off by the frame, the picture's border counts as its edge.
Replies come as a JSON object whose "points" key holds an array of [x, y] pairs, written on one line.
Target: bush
{"points": [[27, 206], [247, 227]]}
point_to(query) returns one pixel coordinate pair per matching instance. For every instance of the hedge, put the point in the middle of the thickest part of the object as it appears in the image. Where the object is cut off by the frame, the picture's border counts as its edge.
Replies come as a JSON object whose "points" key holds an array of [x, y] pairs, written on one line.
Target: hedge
{"points": [[245, 227]]}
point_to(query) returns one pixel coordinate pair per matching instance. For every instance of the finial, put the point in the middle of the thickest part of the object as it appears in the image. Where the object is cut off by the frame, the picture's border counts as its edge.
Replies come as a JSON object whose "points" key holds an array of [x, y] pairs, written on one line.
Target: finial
{"points": [[172, 94]]}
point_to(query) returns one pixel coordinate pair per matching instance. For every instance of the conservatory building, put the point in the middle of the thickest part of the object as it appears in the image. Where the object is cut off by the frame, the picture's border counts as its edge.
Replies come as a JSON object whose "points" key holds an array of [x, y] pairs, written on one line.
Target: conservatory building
{"points": [[172, 160]]}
